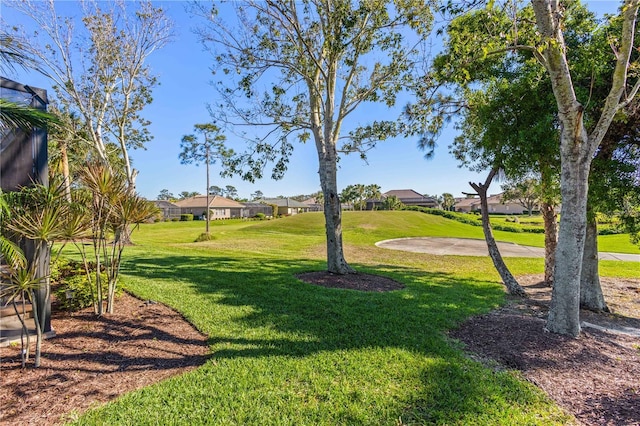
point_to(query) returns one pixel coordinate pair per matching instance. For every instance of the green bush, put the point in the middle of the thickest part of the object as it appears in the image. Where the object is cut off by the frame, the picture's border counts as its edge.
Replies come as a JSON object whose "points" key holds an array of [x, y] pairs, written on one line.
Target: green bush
{"points": [[70, 284], [609, 231], [174, 219], [204, 237], [274, 210], [75, 292], [260, 216], [186, 217], [474, 220], [507, 228]]}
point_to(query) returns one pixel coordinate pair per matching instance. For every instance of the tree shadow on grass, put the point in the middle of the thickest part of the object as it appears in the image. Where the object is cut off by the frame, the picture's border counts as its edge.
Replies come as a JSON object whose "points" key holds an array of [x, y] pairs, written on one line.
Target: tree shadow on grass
{"points": [[290, 318], [333, 318]]}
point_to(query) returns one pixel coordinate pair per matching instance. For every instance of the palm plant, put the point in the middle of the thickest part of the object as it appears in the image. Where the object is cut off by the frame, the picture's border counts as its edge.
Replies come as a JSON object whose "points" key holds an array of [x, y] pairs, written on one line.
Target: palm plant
{"points": [[128, 211], [38, 215], [115, 210], [19, 284], [10, 288], [392, 203]]}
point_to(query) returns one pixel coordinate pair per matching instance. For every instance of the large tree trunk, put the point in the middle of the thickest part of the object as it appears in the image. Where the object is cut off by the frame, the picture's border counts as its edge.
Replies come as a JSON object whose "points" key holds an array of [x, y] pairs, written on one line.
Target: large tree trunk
{"points": [[336, 262], [550, 241], [591, 296], [564, 313], [513, 287], [576, 151]]}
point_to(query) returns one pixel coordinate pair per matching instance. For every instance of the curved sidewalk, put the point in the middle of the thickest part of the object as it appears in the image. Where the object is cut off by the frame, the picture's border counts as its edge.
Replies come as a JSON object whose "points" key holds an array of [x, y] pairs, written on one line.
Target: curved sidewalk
{"points": [[471, 247]]}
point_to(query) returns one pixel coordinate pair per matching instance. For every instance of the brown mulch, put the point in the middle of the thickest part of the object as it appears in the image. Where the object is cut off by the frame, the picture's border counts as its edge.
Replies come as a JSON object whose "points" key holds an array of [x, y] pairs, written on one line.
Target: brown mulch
{"points": [[362, 282], [93, 360], [595, 377]]}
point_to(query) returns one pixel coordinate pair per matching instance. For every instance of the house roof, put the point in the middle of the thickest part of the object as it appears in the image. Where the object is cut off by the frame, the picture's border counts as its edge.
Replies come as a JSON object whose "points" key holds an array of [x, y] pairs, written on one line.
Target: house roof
{"points": [[285, 202], [310, 201], [494, 199], [164, 204], [407, 194], [462, 202], [215, 201], [491, 199]]}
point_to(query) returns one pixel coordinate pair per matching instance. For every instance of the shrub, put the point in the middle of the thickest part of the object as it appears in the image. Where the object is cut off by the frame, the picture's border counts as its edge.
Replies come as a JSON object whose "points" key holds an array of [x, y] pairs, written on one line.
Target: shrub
{"points": [[71, 286], [260, 216], [204, 237], [474, 220], [609, 231], [274, 210], [74, 292], [157, 217], [186, 217], [174, 219], [507, 228]]}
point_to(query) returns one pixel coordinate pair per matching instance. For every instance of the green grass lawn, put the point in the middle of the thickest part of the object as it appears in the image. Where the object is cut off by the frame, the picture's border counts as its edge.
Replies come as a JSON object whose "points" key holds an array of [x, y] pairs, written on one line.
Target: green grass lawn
{"points": [[284, 352]]}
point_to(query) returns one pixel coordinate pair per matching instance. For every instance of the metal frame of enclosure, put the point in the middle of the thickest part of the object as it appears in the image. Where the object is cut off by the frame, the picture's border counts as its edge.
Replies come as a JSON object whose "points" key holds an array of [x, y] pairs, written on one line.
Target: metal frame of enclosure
{"points": [[23, 162]]}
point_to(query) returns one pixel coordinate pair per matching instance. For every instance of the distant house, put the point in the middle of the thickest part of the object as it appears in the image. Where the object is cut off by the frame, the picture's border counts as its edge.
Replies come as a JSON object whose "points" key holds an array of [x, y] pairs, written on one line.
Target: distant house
{"points": [[287, 206], [499, 206], [408, 197], [494, 202], [467, 205], [168, 209], [252, 209], [219, 207], [314, 205]]}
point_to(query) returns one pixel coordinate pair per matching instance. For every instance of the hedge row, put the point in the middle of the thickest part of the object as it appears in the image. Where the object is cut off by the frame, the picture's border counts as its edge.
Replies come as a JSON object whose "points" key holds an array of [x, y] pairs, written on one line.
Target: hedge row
{"points": [[473, 220], [477, 221]]}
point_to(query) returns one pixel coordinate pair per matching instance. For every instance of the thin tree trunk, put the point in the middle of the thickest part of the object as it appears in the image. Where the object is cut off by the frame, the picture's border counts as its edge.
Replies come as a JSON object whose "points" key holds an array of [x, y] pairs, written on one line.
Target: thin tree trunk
{"points": [[591, 296], [207, 166], [99, 307], [64, 159], [24, 331], [550, 241], [336, 262], [36, 360], [513, 287]]}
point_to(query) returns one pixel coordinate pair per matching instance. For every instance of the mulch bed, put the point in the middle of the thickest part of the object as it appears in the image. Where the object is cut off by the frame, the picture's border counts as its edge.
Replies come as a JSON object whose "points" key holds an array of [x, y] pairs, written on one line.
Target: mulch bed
{"points": [[93, 360], [595, 377], [362, 282]]}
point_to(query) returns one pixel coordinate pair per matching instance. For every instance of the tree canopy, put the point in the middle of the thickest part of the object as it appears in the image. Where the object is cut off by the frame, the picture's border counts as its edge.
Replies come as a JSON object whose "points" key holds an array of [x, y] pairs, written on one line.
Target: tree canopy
{"points": [[298, 69]]}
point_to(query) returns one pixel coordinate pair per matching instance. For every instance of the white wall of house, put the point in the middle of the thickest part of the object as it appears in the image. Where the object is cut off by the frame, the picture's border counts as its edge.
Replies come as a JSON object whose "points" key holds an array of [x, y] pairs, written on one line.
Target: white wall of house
{"points": [[509, 208]]}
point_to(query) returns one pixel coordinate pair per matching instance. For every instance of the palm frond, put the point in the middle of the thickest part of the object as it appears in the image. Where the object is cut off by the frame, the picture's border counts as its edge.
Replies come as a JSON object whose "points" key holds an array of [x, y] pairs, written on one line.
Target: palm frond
{"points": [[16, 116], [12, 254], [12, 54]]}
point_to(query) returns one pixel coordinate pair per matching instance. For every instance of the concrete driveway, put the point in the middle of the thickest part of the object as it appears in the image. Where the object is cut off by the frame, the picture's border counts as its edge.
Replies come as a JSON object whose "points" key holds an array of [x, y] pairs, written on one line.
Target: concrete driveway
{"points": [[470, 247]]}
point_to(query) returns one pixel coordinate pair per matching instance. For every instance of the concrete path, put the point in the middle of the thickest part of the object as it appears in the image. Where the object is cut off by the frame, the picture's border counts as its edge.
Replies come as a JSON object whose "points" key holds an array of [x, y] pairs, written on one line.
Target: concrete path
{"points": [[471, 247]]}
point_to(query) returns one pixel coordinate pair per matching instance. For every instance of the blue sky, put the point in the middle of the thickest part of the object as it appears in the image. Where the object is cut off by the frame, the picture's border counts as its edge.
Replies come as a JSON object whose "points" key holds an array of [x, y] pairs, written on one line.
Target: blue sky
{"points": [[183, 69]]}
